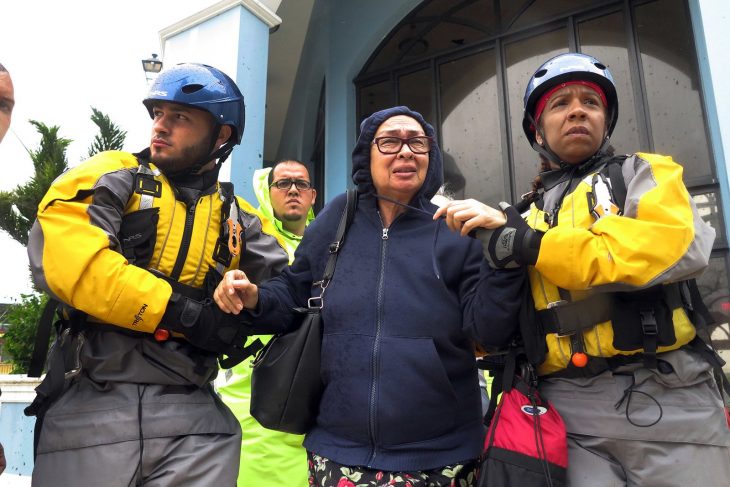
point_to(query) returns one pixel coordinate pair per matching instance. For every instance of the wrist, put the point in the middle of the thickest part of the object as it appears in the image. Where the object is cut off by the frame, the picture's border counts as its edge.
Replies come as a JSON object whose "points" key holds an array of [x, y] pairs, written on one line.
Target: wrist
{"points": [[529, 250], [182, 314]]}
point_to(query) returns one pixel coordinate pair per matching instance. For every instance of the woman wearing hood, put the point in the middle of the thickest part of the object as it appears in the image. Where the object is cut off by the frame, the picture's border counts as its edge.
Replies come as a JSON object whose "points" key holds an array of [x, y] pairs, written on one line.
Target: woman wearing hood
{"points": [[612, 244], [401, 397]]}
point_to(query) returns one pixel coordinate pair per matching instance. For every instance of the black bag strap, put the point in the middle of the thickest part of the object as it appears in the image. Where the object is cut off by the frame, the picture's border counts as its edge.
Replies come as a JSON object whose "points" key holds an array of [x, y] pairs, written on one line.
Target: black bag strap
{"points": [[508, 371], [701, 316], [42, 338], [618, 185], [236, 356], [347, 216], [221, 253]]}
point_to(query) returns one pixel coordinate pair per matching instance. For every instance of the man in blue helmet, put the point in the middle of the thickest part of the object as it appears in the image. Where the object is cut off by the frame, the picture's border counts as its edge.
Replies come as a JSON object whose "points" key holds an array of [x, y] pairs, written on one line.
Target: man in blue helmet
{"points": [[131, 245], [612, 245]]}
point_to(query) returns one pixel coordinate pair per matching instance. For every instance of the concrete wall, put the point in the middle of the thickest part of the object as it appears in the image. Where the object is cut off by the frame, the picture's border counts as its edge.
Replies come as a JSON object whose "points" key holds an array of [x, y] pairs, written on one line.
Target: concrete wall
{"points": [[16, 429]]}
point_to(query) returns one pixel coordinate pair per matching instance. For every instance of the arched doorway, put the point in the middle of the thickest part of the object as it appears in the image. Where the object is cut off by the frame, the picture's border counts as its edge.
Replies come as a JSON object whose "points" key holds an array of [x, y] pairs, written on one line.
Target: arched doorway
{"points": [[464, 65]]}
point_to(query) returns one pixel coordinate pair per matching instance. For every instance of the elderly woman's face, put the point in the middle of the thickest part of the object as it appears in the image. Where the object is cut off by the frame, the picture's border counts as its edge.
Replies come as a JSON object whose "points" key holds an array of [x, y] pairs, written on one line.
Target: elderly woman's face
{"points": [[400, 175]]}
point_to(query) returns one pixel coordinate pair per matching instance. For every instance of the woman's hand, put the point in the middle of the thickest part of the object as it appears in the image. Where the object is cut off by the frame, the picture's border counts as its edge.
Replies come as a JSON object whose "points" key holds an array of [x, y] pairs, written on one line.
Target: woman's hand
{"points": [[235, 292], [466, 215]]}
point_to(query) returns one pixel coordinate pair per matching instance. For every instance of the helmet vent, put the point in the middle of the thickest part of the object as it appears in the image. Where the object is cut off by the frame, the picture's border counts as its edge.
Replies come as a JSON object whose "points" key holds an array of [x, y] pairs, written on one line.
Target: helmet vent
{"points": [[187, 89], [600, 66], [541, 73]]}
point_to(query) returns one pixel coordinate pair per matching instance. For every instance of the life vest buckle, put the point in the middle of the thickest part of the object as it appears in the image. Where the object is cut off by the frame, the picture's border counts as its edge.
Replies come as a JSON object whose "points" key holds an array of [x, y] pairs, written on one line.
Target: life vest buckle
{"points": [[556, 304], [145, 184], [649, 324]]}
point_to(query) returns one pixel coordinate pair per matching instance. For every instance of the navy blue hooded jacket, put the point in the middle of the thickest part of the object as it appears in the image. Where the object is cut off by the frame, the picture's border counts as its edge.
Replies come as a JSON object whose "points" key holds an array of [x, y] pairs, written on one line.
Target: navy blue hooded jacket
{"points": [[401, 390]]}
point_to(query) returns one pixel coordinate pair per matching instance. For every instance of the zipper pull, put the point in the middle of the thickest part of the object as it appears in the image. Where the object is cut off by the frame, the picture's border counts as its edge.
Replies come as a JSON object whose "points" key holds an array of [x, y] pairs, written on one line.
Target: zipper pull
{"points": [[385, 234]]}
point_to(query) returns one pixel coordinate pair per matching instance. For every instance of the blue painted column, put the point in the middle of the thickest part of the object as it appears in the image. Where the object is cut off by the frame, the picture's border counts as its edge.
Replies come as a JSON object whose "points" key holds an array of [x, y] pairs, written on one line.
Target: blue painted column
{"points": [[710, 19], [233, 36]]}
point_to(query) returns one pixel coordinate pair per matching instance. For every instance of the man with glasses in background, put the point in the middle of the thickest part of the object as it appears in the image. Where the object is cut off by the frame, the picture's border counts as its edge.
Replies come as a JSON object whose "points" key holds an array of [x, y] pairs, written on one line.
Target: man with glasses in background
{"points": [[286, 197], [271, 458]]}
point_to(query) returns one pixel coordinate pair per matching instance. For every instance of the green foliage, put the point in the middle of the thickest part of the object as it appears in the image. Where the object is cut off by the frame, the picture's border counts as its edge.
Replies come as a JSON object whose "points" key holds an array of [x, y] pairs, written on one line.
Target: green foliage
{"points": [[20, 336], [110, 136], [18, 208]]}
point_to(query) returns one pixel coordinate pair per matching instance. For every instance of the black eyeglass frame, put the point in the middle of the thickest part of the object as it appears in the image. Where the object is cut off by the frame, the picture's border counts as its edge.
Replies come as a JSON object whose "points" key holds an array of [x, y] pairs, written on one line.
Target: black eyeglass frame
{"points": [[376, 142], [289, 182]]}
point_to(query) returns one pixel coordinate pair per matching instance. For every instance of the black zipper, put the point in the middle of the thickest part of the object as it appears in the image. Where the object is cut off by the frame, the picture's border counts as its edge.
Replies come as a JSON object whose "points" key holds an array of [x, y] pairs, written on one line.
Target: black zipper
{"points": [[182, 253], [376, 346]]}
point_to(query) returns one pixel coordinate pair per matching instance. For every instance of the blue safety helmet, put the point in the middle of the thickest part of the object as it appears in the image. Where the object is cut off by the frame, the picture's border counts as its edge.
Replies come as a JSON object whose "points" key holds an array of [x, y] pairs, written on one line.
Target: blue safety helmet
{"points": [[568, 67], [203, 87]]}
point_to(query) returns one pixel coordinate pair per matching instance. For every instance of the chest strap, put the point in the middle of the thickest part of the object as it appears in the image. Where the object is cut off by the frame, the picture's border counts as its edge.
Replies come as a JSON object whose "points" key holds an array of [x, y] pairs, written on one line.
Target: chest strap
{"points": [[146, 185], [570, 319], [567, 318]]}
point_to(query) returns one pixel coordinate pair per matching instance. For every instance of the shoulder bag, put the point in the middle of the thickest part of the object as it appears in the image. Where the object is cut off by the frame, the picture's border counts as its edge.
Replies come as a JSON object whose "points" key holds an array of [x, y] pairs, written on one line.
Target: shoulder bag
{"points": [[285, 383]]}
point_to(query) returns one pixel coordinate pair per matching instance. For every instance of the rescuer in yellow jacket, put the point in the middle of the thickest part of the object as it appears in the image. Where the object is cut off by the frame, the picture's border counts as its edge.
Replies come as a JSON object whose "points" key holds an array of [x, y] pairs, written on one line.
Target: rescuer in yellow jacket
{"points": [[132, 246], [610, 244]]}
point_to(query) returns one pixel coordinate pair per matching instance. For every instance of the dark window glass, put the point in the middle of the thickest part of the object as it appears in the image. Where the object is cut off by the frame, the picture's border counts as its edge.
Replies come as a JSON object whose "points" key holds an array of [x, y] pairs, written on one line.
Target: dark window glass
{"points": [[435, 8], [434, 27], [375, 97], [450, 34], [470, 128], [522, 59], [414, 91], [672, 85], [605, 38], [481, 12], [402, 43], [538, 11]]}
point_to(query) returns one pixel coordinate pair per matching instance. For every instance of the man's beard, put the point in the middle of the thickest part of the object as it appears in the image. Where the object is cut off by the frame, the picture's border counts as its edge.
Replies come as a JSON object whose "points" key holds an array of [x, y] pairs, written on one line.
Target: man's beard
{"points": [[194, 154]]}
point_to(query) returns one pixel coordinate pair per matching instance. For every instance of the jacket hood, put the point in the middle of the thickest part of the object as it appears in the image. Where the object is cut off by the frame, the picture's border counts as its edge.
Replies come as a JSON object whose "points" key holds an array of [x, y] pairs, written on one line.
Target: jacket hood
{"points": [[261, 189], [361, 174]]}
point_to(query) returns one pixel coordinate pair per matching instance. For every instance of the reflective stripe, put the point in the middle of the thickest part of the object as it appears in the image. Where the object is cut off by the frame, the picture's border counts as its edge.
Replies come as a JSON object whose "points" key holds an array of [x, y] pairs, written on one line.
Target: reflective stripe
{"points": [[146, 200]]}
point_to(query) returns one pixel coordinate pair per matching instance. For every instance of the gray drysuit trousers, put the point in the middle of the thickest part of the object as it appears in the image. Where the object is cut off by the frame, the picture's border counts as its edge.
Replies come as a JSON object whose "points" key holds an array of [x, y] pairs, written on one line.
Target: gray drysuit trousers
{"points": [[139, 413], [667, 429], [101, 448]]}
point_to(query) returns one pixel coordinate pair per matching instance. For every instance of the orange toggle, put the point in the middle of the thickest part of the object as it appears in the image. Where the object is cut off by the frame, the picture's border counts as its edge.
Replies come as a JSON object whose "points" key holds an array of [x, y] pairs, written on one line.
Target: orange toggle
{"points": [[234, 237], [579, 359], [161, 334]]}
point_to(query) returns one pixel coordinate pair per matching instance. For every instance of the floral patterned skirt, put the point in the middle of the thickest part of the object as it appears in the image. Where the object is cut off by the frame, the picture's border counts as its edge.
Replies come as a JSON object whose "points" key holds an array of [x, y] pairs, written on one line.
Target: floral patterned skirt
{"points": [[324, 472]]}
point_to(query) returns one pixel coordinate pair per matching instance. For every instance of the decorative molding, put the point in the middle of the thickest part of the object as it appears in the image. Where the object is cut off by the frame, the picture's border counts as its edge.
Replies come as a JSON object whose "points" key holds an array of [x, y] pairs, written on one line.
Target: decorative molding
{"points": [[256, 7], [18, 388]]}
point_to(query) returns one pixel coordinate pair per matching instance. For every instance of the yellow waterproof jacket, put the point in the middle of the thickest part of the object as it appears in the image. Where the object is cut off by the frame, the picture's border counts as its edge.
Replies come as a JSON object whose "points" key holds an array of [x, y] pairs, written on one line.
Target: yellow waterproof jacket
{"points": [[659, 239], [92, 213]]}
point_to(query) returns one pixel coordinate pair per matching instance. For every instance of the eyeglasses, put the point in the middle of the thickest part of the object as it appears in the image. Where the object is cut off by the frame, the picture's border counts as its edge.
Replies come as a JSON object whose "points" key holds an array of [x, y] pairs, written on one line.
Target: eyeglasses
{"points": [[392, 145], [286, 184]]}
